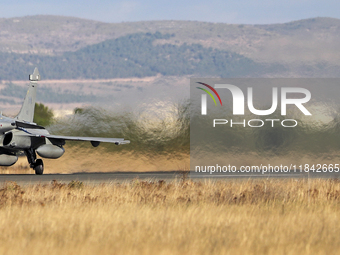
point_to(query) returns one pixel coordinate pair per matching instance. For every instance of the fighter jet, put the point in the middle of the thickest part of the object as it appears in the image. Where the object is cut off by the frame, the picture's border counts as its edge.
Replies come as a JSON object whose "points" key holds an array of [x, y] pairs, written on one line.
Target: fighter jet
{"points": [[21, 134]]}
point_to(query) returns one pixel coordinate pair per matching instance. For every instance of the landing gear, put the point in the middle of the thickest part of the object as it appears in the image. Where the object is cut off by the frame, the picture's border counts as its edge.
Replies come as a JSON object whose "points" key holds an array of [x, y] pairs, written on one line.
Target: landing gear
{"points": [[39, 167], [36, 164]]}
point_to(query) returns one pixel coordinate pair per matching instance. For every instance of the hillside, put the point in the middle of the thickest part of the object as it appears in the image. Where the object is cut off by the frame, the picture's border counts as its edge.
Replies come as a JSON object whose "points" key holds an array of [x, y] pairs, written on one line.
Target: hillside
{"points": [[80, 51], [316, 40], [134, 55]]}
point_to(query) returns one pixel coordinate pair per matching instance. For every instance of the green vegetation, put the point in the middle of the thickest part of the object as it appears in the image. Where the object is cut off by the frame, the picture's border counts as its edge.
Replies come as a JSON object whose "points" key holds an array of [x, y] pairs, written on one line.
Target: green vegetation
{"points": [[43, 115], [299, 46], [134, 55]]}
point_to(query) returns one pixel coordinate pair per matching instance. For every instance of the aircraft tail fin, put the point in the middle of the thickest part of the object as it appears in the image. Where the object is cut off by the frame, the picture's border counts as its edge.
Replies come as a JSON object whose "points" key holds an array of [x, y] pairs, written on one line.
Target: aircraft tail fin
{"points": [[26, 113]]}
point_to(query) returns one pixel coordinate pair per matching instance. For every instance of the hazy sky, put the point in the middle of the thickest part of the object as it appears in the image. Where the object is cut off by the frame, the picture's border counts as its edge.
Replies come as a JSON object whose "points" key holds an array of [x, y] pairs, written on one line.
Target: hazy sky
{"points": [[238, 11]]}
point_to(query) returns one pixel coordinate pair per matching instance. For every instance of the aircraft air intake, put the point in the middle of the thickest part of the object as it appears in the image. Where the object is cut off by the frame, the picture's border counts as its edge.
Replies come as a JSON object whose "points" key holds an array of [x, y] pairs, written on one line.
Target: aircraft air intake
{"points": [[17, 140]]}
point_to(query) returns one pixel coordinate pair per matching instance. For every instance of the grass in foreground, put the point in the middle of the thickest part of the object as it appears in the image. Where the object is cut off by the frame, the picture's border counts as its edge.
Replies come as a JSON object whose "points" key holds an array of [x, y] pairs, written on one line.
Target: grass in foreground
{"points": [[183, 217]]}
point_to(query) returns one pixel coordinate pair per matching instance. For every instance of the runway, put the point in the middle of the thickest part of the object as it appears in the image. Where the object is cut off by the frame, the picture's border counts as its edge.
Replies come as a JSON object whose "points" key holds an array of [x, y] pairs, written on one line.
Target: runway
{"points": [[119, 177], [90, 178]]}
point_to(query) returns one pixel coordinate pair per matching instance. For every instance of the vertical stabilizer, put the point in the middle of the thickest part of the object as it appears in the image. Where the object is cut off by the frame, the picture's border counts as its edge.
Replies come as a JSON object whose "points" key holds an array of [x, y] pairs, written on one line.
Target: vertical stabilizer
{"points": [[27, 110]]}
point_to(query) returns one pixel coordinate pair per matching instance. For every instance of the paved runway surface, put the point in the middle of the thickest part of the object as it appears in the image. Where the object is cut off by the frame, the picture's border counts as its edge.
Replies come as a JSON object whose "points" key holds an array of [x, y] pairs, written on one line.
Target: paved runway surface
{"points": [[90, 178], [114, 177]]}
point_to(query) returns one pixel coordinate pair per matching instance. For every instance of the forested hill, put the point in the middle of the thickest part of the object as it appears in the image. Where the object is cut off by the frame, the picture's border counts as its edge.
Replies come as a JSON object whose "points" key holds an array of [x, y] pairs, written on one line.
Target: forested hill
{"points": [[135, 55], [68, 47]]}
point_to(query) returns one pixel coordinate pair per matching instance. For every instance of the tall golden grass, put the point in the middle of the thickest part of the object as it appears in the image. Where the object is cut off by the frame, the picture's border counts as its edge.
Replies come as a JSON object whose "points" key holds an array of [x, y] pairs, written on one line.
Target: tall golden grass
{"points": [[274, 216]]}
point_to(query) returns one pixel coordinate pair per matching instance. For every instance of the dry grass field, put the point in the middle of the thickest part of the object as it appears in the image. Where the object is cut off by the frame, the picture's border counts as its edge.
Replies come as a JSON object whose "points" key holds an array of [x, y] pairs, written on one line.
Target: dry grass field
{"points": [[182, 217]]}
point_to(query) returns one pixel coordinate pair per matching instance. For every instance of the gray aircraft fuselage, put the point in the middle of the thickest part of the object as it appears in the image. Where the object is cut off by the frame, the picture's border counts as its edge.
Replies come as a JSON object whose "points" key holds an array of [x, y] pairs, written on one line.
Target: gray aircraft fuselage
{"points": [[21, 134]]}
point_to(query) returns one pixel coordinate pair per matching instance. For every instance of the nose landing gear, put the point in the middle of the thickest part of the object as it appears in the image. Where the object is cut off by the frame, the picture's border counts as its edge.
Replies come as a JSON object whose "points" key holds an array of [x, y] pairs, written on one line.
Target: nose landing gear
{"points": [[39, 167], [36, 164]]}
